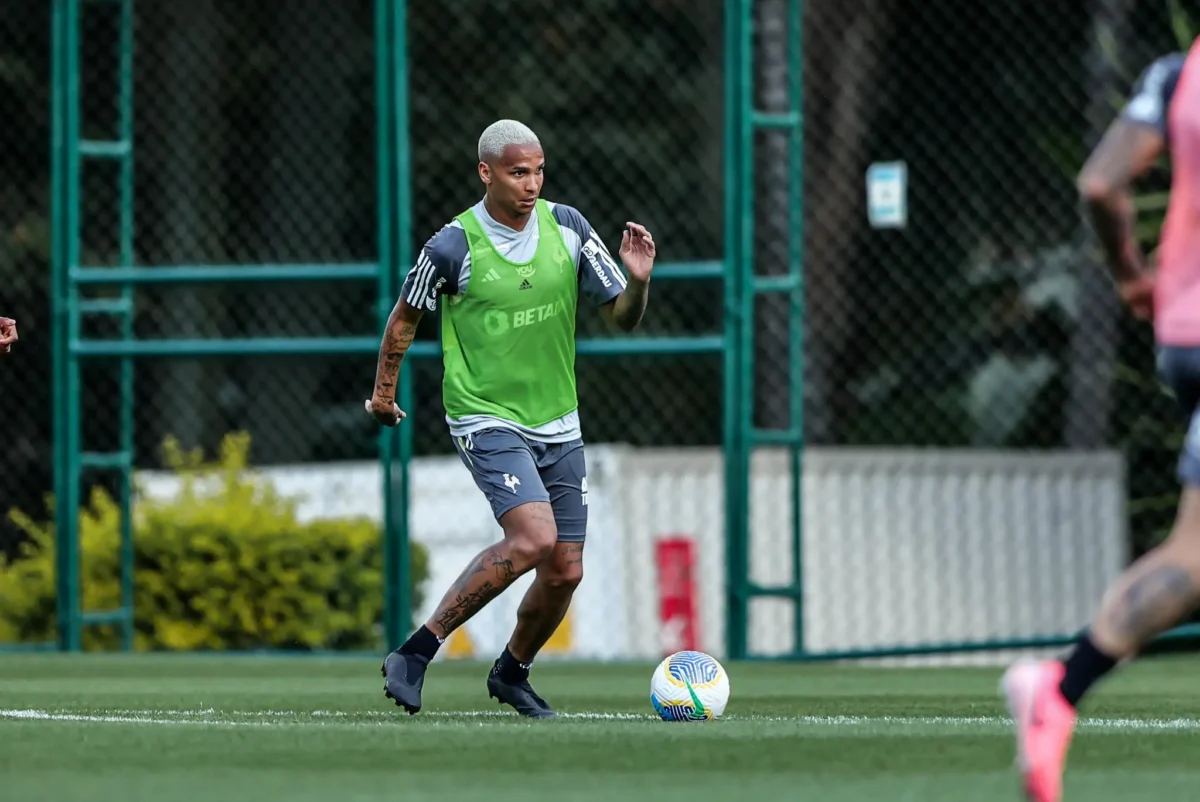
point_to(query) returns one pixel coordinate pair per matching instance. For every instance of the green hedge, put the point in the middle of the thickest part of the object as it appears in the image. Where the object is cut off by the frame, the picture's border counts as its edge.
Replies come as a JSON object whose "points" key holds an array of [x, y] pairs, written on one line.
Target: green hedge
{"points": [[224, 565]]}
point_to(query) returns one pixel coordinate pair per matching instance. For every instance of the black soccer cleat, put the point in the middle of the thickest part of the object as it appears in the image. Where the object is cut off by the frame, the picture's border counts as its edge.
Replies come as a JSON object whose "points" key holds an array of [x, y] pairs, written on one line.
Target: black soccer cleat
{"points": [[403, 676], [518, 695]]}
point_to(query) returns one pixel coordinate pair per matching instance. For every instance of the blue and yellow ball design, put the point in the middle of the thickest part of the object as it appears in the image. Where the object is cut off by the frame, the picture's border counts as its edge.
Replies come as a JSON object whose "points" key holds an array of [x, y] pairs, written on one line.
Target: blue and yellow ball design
{"points": [[689, 686]]}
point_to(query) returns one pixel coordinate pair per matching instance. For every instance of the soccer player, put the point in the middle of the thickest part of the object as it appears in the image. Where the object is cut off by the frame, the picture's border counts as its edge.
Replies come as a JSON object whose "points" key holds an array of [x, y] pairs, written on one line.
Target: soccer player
{"points": [[509, 273], [8, 334], [1162, 116]]}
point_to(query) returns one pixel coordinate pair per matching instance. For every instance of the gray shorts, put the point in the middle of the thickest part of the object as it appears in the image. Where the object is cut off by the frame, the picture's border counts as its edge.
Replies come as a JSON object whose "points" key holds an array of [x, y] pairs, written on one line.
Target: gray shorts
{"points": [[512, 470], [1180, 368]]}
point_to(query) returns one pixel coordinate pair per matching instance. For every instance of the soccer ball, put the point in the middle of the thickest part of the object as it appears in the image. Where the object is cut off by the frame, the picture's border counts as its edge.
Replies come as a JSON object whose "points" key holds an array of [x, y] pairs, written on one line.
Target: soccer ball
{"points": [[689, 686]]}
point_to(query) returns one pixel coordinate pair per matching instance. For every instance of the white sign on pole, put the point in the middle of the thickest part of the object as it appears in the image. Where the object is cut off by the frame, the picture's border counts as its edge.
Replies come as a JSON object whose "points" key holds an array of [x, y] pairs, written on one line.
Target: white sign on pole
{"points": [[887, 194]]}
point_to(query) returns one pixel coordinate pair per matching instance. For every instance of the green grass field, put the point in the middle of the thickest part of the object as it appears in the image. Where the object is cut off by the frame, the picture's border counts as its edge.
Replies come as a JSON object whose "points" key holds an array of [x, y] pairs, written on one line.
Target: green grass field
{"points": [[188, 728]]}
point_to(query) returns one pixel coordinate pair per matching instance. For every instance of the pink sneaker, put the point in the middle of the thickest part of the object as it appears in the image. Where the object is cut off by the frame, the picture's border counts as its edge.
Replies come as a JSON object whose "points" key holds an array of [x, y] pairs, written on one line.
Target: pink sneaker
{"points": [[1044, 722]]}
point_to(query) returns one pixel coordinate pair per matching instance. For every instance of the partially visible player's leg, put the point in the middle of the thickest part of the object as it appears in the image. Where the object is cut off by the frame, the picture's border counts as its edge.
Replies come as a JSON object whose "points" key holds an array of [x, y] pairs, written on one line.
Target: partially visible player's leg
{"points": [[505, 470], [564, 473], [542, 609], [545, 604], [1151, 596], [1161, 587]]}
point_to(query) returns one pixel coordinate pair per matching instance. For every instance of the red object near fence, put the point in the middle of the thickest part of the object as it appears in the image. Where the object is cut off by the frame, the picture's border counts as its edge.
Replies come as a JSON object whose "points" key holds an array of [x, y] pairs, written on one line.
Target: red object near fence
{"points": [[679, 624]]}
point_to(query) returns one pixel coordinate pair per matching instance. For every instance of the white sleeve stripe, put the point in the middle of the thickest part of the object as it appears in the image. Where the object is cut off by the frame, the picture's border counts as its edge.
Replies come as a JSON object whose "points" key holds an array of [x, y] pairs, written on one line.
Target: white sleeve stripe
{"points": [[618, 275], [424, 272], [603, 247], [606, 259], [417, 288]]}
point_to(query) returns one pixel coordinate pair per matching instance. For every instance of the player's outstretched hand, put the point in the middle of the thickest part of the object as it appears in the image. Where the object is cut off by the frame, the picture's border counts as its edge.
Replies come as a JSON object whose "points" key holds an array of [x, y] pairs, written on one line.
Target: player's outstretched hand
{"points": [[385, 412], [1138, 295], [8, 334], [637, 251]]}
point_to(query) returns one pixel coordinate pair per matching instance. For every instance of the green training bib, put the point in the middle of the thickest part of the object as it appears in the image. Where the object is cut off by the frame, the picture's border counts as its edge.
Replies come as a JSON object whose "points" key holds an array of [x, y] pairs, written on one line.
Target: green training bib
{"points": [[509, 342]]}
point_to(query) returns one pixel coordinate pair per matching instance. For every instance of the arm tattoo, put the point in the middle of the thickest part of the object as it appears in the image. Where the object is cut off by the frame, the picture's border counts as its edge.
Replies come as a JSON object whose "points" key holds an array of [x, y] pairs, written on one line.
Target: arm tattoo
{"points": [[397, 339]]}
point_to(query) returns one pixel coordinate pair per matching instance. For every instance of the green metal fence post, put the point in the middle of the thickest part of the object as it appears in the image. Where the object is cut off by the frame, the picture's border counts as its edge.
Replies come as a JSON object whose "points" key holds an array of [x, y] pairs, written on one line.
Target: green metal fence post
{"points": [[736, 482], [69, 624], [404, 257], [125, 446], [71, 150], [61, 65], [795, 36], [384, 187], [394, 235], [743, 120]]}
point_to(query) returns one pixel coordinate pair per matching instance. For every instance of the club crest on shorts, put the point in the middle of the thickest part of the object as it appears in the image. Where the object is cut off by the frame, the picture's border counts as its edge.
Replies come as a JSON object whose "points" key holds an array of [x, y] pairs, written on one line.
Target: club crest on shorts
{"points": [[511, 482]]}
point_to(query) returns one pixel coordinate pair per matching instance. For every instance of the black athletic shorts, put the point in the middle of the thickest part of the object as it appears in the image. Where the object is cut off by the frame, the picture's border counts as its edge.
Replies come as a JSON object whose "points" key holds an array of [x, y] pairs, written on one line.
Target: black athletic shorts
{"points": [[1180, 368]]}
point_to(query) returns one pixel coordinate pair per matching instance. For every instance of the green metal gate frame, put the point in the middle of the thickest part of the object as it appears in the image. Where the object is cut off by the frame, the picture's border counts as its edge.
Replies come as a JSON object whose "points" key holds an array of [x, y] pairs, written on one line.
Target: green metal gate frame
{"points": [[70, 303], [743, 286]]}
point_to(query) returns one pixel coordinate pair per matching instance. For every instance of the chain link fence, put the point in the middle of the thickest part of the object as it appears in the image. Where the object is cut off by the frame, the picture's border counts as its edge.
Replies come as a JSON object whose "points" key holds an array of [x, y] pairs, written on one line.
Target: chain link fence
{"points": [[989, 321], [254, 140], [1010, 404], [254, 143], [986, 323], [625, 97], [25, 464]]}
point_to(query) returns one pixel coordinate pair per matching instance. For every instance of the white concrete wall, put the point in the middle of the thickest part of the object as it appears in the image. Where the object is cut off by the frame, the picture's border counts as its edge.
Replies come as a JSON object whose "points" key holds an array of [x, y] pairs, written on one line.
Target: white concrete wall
{"points": [[901, 546]]}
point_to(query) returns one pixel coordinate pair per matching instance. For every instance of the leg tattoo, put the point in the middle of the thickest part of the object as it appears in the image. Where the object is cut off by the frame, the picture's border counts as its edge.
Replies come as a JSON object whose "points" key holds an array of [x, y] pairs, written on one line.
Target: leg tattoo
{"points": [[1153, 602], [1156, 596], [483, 580]]}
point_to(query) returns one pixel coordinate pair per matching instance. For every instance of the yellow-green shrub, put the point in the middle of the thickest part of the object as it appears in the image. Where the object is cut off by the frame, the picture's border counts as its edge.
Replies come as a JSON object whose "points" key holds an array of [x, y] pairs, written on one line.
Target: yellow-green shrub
{"points": [[226, 564]]}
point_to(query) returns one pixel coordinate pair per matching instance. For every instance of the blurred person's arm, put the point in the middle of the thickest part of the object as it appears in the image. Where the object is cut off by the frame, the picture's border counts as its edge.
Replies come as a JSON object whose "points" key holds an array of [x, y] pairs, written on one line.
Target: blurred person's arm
{"points": [[1128, 149]]}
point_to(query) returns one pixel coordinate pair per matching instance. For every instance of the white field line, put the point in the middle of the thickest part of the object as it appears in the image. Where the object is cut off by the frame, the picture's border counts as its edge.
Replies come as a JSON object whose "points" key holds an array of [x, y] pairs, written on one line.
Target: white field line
{"points": [[295, 718]]}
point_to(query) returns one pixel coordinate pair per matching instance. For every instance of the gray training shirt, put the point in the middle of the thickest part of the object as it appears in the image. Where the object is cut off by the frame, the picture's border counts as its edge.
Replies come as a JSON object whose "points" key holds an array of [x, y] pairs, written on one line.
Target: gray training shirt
{"points": [[444, 268]]}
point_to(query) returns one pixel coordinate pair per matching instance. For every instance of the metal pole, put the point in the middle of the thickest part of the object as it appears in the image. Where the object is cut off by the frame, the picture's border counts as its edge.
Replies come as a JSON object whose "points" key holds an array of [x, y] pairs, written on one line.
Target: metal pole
{"points": [[404, 258], [385, 179], [735, 434], [58, 312], [796, 305], [69, 623], [125, 123]]}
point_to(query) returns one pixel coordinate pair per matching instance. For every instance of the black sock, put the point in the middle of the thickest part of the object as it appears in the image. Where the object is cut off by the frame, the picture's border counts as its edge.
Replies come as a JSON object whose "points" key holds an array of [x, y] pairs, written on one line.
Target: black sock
{"points": [[1086, 665], [422, 642], [511, 669]]}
